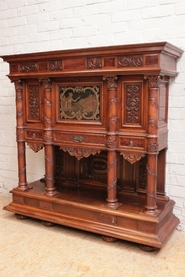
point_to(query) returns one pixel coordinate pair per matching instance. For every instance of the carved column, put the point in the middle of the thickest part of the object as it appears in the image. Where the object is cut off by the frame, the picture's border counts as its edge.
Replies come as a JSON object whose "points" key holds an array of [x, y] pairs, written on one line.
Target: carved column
{"points": [[112, 200], [22, 185], [152, 151], [49, 153]]}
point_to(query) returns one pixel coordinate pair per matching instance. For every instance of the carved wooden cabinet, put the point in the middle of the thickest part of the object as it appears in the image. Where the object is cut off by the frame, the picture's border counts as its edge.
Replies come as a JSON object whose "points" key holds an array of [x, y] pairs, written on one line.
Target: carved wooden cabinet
{"points": [[100, 114]]}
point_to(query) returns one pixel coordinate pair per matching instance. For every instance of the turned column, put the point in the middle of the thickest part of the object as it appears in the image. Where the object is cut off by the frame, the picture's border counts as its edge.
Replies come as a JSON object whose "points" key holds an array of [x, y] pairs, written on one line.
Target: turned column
{"points": [[22, 185], [49, 155], [112, 200], [152, 141]]}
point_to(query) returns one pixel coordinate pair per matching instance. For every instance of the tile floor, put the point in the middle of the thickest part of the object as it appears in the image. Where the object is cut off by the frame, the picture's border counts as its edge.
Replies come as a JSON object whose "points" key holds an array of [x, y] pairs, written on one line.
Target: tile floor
{"points": [[28, 249]]}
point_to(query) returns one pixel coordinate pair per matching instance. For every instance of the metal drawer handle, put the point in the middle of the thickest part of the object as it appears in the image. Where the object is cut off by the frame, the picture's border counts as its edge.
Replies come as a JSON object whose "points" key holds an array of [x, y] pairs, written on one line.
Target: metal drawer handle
{"points": [[131, 143], [77, 139]]}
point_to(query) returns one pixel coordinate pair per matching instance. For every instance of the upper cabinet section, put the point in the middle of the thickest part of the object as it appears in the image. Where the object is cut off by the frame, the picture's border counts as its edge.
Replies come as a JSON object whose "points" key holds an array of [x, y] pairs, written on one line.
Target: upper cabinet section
{"points": [[149, 58]]}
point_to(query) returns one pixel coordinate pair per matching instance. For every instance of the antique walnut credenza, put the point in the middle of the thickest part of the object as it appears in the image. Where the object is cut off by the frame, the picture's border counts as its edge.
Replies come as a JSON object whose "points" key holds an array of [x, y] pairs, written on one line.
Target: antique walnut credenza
{"points": [[100, 114]]}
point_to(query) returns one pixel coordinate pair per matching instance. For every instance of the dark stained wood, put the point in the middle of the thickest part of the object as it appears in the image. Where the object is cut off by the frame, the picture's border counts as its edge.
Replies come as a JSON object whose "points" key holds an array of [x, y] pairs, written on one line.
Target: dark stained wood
{"points": [[101, 116]]}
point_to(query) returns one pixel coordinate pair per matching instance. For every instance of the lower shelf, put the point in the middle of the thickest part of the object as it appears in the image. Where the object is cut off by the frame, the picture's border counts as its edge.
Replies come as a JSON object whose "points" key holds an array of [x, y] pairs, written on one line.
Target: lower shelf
{"points": [[85, 208]]}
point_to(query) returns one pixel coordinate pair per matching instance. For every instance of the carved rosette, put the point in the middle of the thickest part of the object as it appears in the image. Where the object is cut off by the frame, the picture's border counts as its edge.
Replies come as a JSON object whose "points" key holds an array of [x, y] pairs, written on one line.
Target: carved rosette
{"points": [[132, 157], [79, 153], [94, 63], [36, 147]]}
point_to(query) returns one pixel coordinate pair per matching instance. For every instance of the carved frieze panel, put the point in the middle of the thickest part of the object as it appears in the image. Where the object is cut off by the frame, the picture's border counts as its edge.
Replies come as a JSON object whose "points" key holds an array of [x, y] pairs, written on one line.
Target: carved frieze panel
{"points": [[43, 66], [80, 102], [28, 67], [55, 65], [109, 62], [130, 61], [33, 102], [152, 60], [133, 103], [74, 64]]}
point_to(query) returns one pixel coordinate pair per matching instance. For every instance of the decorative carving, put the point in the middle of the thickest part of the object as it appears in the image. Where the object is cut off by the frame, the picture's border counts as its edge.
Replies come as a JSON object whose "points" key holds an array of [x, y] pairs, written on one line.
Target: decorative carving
{"points": [[127, 61], [46, 83], [55, 65], [111, 82], [153, 123], [109, 62], [94, 63], [43, 66], [33, 98], [36, 147], [18, 86], [132, 104], [132, 157], [80, 102], [153, 147], [79, 153], [28, 67], [154, 174], [111, 143], [20, 134], [153, 81], [154, 102]]}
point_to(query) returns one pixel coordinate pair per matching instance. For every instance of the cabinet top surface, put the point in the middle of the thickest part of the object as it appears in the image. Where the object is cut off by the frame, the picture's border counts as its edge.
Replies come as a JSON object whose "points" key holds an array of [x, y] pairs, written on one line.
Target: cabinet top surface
{"points": [[151, 58]]}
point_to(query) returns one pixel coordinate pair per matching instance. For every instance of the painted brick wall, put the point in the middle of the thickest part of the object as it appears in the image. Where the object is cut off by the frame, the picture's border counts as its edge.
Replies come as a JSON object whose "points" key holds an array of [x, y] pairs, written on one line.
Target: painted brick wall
{"points": [[42, 25]]}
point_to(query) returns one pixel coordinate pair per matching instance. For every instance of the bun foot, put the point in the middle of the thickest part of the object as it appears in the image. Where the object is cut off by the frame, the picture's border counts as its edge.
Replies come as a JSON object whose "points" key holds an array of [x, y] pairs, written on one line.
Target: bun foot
{"points": [[108, 239], [47, 223], [147, 248], [20, 216]]}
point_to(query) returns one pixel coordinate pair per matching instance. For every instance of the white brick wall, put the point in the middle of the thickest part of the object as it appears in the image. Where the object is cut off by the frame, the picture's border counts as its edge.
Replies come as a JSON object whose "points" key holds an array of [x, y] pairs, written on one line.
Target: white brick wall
{"points": [[43, 25]]}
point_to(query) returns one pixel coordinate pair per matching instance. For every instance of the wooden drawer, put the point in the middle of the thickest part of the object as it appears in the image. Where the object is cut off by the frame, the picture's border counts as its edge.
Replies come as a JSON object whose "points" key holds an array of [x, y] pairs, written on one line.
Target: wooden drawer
{"points": [[79, 139], [130, 143], [34, 135]]}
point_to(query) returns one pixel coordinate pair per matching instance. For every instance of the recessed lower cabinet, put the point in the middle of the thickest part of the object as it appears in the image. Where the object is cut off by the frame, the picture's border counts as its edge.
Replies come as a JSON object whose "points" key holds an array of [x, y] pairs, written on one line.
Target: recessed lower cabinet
{"points": [[100, 116]]}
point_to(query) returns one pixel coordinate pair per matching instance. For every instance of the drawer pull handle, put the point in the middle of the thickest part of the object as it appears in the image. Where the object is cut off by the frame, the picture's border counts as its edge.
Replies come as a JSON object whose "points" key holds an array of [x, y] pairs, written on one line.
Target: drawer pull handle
{"points": [[77, 139], [131, 143], [33, 135]]}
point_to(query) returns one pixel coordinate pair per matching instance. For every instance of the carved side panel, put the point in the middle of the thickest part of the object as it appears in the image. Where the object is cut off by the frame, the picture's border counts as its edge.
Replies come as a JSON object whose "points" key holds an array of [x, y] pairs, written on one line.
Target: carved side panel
{"points": [[33, 102], [133, 103]]}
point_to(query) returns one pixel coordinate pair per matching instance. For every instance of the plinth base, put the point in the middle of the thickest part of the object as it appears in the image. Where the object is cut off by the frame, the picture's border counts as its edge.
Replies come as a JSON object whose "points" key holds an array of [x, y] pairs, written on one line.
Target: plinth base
{"points": [[84, 208]]}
